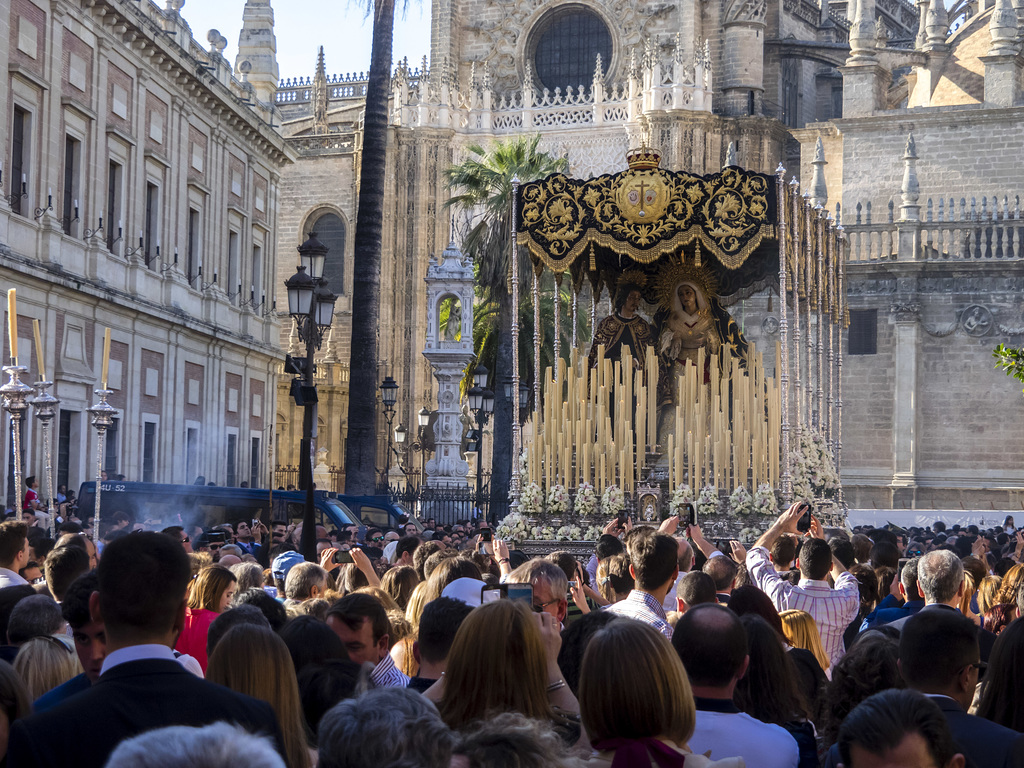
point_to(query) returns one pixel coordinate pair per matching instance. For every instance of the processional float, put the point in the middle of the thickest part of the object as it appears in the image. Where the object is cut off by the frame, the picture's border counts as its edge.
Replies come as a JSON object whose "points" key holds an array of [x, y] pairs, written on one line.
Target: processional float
{"points": [[680, 406]]}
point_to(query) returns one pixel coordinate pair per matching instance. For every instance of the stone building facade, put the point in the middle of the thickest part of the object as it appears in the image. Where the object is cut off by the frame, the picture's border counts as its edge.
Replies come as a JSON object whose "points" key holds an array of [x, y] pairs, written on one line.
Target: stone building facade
{"points": [[141, 184], [772, 78]]}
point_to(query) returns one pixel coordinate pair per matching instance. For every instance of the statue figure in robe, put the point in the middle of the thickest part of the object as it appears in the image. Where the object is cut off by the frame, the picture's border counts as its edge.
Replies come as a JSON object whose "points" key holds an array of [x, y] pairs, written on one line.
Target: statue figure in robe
{"points": [[624, 330]]}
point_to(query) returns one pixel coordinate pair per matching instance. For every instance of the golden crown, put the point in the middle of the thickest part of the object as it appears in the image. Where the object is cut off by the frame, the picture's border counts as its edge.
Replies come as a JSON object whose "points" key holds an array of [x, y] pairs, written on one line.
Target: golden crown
{"points": [[643, 158], [671, 275]]}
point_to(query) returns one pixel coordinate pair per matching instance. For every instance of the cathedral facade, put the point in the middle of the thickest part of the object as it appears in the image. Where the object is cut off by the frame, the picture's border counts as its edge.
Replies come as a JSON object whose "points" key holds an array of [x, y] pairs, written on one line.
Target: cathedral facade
{"points": [[772, 78]]}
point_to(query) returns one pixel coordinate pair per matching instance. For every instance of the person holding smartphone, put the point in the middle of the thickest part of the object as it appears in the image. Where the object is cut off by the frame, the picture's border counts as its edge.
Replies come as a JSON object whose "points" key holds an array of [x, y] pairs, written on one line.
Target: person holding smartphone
{"points": [[832, 608]]}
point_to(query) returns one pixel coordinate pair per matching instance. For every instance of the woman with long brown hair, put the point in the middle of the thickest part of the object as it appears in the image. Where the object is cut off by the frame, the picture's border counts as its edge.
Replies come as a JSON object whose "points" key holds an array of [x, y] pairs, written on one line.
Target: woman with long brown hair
{"points": [[505, 659], [253, 660], [209, 596]]}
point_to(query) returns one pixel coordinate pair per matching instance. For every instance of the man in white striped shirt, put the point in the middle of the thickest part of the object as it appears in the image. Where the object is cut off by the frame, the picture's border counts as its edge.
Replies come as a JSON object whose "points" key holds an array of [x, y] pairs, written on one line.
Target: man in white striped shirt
{"points": [[831, 608]]}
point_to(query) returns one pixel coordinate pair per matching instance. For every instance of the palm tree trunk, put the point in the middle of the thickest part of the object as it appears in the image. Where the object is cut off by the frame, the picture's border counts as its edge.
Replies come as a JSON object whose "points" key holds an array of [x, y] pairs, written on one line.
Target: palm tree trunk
{"points": [[361, 446]]}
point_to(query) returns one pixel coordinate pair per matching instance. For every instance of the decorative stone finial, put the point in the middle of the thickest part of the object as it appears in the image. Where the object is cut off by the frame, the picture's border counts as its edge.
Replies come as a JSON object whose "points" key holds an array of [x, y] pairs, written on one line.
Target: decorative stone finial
{"points": [[911, 190], [319, 95], [937, 26], [730, 156], [819, 191], [862, 32], [1003, 28]]}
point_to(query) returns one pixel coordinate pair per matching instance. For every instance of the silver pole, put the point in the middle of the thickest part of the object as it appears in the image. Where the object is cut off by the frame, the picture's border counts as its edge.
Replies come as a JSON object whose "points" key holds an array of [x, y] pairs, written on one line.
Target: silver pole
{"points": [[820, 236], [782, 365], [513, 276], [102, 417], [15, 394], [45, 406]]}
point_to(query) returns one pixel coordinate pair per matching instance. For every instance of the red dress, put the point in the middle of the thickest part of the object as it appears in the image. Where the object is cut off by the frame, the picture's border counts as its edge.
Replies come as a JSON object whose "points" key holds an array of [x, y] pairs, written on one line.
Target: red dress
{"points": [[193, 637]]}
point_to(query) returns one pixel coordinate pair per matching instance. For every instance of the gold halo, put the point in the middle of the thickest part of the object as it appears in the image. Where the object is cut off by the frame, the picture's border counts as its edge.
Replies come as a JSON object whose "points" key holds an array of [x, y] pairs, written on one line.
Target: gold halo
{"points": [[634, 276], [673, 274]]}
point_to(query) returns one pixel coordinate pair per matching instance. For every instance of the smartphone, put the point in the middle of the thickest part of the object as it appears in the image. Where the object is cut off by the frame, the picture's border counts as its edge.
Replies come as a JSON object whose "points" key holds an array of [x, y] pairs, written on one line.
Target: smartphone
{"points": [[899, 566], [803, 525], [621, 519], [572, 585], [689, 514], [523, 592], [342, 556], [486, 534], [255, 523]]}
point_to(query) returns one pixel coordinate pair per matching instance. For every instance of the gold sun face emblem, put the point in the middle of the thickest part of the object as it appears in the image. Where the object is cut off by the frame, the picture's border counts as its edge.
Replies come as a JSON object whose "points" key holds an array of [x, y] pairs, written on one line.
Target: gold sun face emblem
{"points": [[642, 196]]}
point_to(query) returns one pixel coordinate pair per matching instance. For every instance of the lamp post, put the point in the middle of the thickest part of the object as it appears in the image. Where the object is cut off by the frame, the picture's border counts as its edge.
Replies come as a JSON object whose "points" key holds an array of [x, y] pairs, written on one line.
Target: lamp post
{"points": [[423, 419], [401, 433], [388, 396], [481, 402], [311, 305]]}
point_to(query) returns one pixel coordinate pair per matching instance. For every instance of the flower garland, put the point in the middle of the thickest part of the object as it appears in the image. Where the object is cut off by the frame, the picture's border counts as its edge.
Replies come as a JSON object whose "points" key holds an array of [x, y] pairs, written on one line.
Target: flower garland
{"points": [[593, 533], [512, 528], [569, 533], [814, 473], [765, 503], [681, 495], [707, 502], [740, 502], [613, 501], [558, 500], [586, 500], [542, 533], [531, 500]]}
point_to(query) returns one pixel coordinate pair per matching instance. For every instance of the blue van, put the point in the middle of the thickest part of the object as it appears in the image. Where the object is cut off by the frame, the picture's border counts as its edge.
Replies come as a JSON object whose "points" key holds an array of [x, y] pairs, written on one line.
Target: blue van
{"points": [[378, 511], [160, 506]]}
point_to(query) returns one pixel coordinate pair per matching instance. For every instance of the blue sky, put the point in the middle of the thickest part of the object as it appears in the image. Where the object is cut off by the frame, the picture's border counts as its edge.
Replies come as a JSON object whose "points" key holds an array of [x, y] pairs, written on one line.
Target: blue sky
{"points": [[302, 25]]}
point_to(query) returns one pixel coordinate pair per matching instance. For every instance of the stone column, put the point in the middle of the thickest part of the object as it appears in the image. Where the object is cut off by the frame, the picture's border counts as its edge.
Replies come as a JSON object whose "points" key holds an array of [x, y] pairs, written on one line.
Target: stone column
{"points": [[742, 78], [864, 79], [904, 480]]}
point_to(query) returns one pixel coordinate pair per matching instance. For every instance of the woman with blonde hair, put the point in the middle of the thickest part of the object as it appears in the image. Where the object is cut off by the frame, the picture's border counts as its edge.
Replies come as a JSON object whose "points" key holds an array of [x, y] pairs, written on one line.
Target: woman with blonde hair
{"points": [[1008, 588], [801, 632], [45, 662], [968, 597], [505, 659], [641, 713], [414, 608], [209, 596], [614, 581], [253, 660], [987, 591]]}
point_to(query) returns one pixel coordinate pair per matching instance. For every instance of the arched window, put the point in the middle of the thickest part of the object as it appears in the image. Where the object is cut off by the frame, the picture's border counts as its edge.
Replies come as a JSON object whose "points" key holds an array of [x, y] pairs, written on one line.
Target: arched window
{"points": [[565, 45], [330, 230]]}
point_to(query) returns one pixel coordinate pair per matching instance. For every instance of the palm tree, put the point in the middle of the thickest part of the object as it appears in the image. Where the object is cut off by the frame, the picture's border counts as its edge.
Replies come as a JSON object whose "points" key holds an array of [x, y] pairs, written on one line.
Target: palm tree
{"points": [[483, 186], [361, 446]]}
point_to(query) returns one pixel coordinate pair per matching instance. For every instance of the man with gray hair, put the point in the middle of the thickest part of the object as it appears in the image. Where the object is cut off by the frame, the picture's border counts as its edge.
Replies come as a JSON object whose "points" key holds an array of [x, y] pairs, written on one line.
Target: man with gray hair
{"points": [[35, 616], [305, 581], [220, 745], [550, 586], [940, 581], [385, 726]]}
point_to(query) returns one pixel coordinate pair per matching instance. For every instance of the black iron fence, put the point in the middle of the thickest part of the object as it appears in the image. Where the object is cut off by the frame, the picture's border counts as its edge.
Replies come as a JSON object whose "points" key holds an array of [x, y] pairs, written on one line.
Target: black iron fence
{"points": [[449, 505]]}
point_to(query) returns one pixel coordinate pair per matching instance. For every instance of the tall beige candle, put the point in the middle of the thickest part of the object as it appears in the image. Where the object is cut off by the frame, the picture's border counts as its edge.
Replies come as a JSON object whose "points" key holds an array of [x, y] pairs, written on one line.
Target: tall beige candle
{"points": [[40, 360], [106, 356], [12, 323]]}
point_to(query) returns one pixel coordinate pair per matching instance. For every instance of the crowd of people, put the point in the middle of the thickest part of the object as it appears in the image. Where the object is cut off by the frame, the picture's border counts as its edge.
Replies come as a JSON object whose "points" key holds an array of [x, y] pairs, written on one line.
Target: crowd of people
{"points": [[442, 646]]}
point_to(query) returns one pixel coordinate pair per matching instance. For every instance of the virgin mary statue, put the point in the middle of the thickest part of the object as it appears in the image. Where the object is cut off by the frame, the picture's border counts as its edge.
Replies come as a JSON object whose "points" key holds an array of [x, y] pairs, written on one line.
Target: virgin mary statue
{"points": [[690, 319]]}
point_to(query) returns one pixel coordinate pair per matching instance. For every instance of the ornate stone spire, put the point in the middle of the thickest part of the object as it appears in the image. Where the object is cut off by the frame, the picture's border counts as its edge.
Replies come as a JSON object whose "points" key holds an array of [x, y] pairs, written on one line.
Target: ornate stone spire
{"points": [[1003, 28], [819, 191], [730, 156], [911, 190], [862, 32], [258, 46], [937, 26], [319, 95]]}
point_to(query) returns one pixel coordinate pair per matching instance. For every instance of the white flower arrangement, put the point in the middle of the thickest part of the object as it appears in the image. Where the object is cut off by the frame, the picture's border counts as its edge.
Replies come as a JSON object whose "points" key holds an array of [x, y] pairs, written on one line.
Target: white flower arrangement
{"points": [[613, 501], [814, 472], [531, 500], [707, 501], [586, 500], [681, 495], [750, 534], [593, 533], [512, 527], [740, 502], [765, 503], [523, 463], [569, 533], [542, 533], [558, 500]]}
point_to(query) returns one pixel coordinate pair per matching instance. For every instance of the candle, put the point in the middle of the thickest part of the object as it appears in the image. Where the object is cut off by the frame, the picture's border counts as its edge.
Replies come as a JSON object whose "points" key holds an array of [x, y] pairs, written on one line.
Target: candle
{"points": [[106, 356], [12, 323], [40, 362]]}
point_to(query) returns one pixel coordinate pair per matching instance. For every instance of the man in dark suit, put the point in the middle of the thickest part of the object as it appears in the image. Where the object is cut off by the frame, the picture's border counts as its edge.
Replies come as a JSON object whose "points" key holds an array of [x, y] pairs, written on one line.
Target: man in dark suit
{"points": [[940, 581], [939, 657], [141, 602], [890, 610]]}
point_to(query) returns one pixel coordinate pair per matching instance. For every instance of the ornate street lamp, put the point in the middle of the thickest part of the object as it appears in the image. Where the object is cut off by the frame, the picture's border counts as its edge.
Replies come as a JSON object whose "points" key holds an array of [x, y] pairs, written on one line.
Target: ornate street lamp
{"points": [[311, 306], [388, 396], [481, 402]]}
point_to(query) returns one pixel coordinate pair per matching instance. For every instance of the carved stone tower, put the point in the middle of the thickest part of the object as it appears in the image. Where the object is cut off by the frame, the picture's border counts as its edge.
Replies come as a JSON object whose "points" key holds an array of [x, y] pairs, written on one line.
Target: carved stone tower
{"points": [[449, 349], [258, 46]]}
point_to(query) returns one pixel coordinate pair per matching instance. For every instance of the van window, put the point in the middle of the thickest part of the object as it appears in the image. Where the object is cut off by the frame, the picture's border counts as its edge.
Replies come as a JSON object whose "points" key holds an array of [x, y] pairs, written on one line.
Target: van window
{"points": [[375, 516]]}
